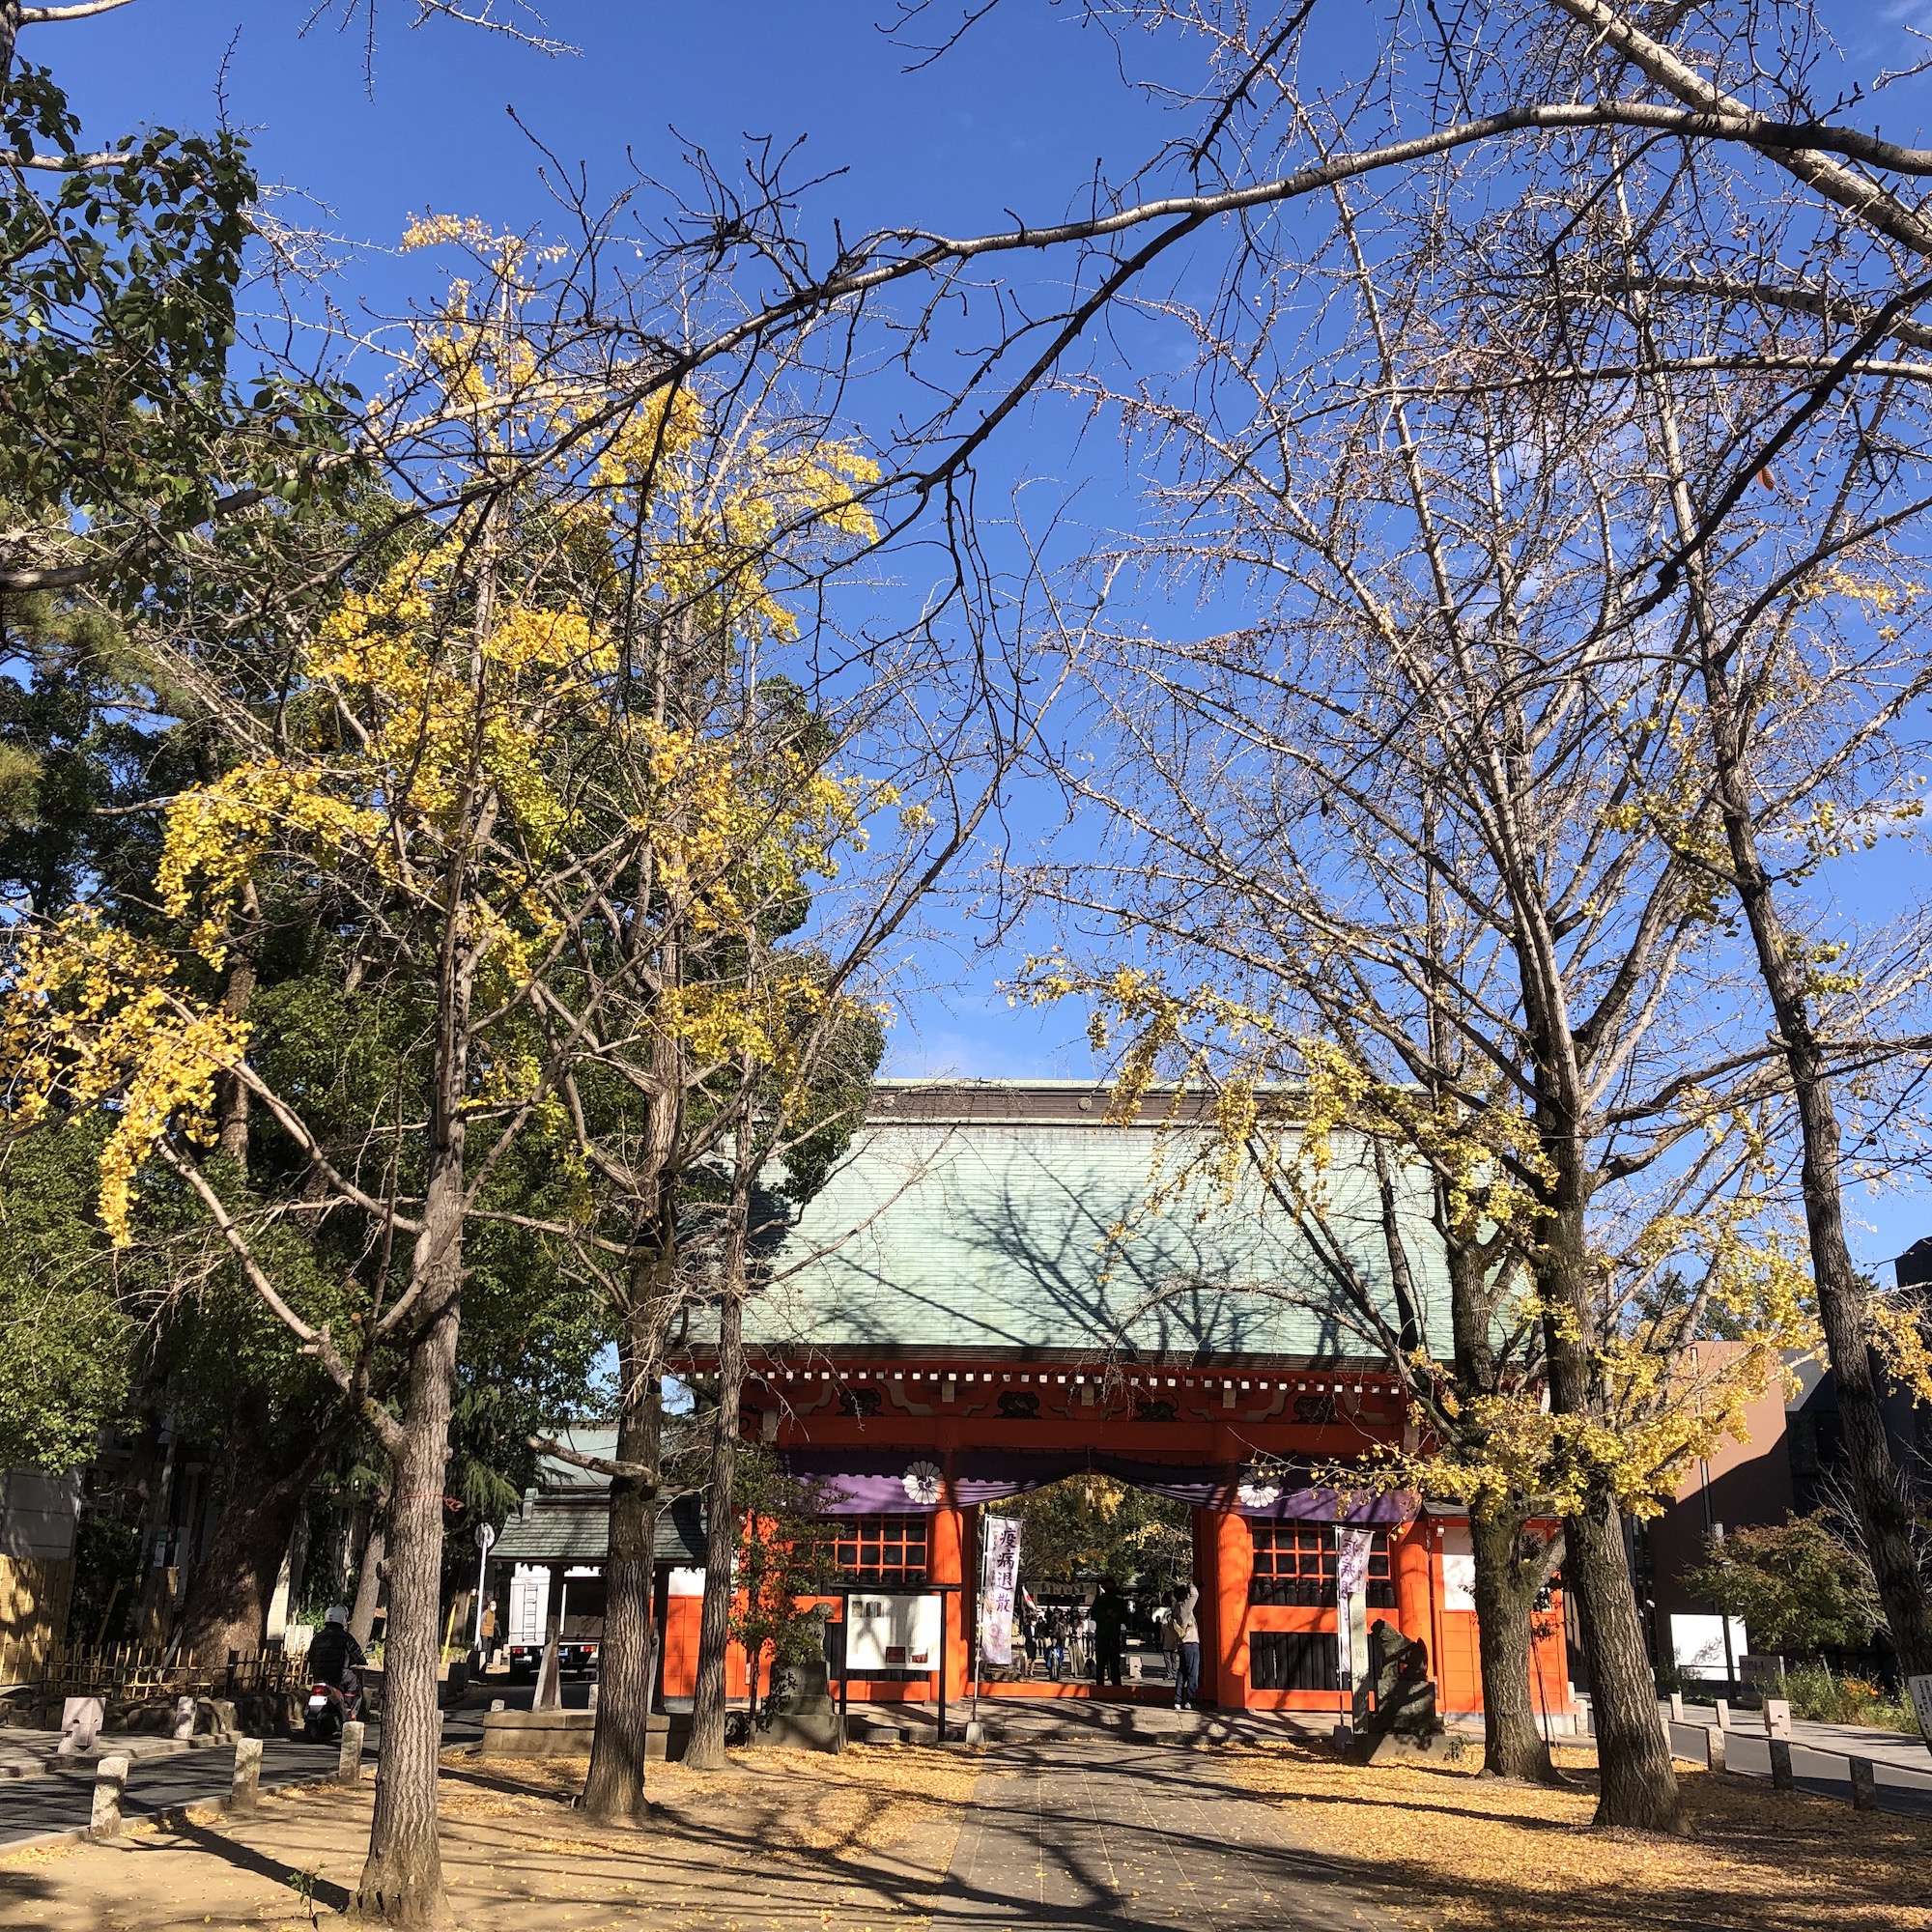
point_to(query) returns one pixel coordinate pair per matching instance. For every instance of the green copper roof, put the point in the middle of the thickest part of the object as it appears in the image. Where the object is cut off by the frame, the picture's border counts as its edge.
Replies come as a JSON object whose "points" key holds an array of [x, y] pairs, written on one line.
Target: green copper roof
{"points": [[981, 1216]]}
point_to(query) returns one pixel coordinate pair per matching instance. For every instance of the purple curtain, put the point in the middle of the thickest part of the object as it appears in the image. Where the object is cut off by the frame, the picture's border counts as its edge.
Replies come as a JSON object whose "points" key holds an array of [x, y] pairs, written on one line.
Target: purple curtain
{"points": [[881, 1481]]}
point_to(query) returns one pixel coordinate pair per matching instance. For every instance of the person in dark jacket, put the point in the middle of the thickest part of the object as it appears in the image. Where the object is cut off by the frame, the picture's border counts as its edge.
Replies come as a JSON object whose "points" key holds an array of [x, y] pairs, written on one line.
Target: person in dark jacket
{"points": [[1110, 1633], [334, 1657]]}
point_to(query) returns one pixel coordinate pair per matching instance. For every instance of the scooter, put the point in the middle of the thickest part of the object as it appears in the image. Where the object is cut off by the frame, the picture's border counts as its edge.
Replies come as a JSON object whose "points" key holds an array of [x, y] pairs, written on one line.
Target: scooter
{"points": [[329, 1708]]}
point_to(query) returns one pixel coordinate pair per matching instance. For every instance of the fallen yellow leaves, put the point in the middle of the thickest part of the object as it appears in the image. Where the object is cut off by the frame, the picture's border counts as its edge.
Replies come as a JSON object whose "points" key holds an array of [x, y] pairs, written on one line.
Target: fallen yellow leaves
{"points": [[866, 1800], [1439, 1845]]}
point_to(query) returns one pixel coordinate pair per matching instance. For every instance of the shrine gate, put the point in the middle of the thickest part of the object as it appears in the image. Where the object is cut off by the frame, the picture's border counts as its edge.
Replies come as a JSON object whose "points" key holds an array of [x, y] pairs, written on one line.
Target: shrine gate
{"points": [[980, 1302]]}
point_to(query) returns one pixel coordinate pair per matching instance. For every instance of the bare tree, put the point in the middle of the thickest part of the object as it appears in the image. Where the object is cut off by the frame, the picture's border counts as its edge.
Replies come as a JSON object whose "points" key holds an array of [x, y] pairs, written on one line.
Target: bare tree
{"points": [[1436, 720]]}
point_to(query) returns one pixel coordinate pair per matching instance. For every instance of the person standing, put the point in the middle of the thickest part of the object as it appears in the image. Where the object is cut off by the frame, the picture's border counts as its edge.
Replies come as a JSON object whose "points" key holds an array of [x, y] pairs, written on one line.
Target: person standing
{"points": [[1110, 1633], [1187, 1654]]}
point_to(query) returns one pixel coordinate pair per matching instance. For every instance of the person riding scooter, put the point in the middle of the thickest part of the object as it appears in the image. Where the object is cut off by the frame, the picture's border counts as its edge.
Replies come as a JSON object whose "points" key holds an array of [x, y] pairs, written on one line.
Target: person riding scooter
{"points": [[335, 1694]]}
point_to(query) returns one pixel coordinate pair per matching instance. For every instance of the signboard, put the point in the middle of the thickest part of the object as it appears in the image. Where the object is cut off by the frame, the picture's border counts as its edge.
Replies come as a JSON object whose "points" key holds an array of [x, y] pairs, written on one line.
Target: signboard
{"points": [[892, 1632], [1921, 1702], [1351, 1603], [1351, 1561], [486, 1537], [1000, 1582], [1458, 1569], [1698, 1646]]}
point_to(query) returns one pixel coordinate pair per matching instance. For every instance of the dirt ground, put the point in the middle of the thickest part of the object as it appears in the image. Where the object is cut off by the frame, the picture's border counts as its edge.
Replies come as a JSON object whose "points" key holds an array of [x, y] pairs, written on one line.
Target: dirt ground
{"points": [[795, 1842], [1437, 1845], [783, 1842]]}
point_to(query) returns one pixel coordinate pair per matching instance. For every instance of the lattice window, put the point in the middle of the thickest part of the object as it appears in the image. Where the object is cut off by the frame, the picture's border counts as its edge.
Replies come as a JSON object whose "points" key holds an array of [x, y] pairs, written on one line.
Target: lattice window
{"points": [[879, 1548], [1294, 1660], [1294, 1565]]}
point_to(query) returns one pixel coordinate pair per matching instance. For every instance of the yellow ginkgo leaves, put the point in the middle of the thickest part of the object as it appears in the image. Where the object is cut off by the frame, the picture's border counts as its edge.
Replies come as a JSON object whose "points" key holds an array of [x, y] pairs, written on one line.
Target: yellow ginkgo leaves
{"points": [[94, 1016]]}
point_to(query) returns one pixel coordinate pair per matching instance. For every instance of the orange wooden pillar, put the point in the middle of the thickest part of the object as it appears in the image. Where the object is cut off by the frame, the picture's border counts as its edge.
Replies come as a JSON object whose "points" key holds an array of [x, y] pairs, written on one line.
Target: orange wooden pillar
{"points": [[1409, 1564], [1233, 1570], [946, 1561]]}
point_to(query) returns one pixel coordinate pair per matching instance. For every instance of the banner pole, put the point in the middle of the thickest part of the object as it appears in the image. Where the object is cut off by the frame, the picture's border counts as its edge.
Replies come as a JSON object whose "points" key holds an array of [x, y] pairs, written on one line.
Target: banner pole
{"points": [[978, 1617]]}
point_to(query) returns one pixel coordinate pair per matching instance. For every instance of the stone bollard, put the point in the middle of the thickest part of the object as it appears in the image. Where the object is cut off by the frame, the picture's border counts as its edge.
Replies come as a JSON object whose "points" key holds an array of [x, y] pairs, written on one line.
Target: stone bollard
{"points": [[349, 1767], [593, 1696], [246, 1790], [1714, 1750], [1781, 1778], [1677, 1706], [81, 1720], [183, 1719], [1723, 1715], [110, 1786], [1864, 1784], [1777, 1719], [496, 1705]]}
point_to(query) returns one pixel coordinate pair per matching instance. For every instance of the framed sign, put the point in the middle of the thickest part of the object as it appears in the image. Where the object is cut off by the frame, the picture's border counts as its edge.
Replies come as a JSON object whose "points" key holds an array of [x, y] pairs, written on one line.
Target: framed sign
{"points": [[1921, 1702], [892, 1631]]}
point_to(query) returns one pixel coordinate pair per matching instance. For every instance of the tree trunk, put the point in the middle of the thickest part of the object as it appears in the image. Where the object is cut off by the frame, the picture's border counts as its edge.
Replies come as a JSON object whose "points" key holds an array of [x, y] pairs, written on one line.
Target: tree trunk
{"points": [[401, 1878], [231, 1092], [229, 1591], [614, 1790], [370, 1572], [705, 1751], [1877, 1483], [1637, 1786], [1638, 1789], [1506, 1593], [1879, 1487]]}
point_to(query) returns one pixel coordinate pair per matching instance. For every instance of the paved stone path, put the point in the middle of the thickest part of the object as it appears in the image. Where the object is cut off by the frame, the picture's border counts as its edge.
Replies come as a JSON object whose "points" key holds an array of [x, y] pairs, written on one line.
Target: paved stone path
{"points": [[1820, 1757], [1111, 1830]]}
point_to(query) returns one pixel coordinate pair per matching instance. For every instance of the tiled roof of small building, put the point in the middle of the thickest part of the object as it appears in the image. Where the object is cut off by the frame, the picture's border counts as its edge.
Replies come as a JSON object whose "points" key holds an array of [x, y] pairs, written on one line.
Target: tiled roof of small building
{"points": [[1012, 1217], [573, 1526]]}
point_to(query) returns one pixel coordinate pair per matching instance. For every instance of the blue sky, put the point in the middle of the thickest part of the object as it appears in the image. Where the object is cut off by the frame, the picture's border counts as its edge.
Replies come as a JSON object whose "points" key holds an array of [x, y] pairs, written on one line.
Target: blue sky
{"points": [[1015, 119]]}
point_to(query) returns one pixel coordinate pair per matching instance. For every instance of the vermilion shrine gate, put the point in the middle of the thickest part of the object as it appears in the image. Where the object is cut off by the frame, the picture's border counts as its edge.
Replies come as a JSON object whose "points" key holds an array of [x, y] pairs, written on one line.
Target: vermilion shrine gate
{"points": [[980, 1303]]}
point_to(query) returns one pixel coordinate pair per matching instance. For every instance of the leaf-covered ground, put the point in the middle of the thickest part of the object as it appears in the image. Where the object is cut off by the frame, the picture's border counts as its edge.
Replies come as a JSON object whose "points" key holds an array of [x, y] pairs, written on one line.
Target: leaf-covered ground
{"points": [[782, 1842], [1437, 1845]]}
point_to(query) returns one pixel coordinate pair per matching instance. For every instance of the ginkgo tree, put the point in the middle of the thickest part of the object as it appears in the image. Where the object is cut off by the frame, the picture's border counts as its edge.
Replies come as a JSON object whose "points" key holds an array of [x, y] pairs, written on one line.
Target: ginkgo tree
{"points": [[460, 752], [1411, 803]]}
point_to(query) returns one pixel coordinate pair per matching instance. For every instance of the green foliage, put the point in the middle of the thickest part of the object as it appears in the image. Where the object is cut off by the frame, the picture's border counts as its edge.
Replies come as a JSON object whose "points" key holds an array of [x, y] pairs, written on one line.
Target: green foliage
{"points": [[64, 1339], [784, 1555], [1817, 1694], [72, 743], [124, 427], [1798, 1588], [1089, 1527], [107, 1579]]}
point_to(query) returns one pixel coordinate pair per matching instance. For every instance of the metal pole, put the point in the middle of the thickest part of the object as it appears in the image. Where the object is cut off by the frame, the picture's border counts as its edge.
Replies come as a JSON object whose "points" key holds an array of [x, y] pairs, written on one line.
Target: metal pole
{"points": [[1711, 1534], [979, 1611], [844, 1661], [482, 1579], [943, 1621]]}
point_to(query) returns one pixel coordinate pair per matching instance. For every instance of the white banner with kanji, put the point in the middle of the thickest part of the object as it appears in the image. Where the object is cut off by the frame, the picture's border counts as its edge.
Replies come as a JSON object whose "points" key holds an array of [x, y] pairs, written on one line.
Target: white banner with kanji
{"points": [[999, 1587]]}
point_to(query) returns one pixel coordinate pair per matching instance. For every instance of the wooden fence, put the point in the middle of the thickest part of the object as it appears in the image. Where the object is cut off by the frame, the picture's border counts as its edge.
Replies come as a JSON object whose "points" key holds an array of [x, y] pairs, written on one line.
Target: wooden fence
{"points": [[129, 1673]]}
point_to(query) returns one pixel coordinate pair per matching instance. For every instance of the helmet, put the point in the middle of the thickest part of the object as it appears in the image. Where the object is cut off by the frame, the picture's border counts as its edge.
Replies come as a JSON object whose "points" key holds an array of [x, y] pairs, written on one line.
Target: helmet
{"points": [[336, 1613]]}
